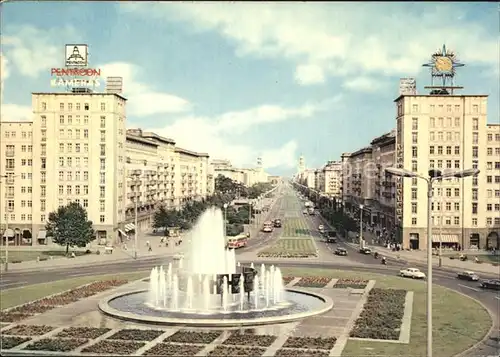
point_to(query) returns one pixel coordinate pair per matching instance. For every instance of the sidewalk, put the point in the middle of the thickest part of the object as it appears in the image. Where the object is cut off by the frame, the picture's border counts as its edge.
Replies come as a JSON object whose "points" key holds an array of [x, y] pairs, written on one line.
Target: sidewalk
{"points": [[420, 257], [119, 255]]}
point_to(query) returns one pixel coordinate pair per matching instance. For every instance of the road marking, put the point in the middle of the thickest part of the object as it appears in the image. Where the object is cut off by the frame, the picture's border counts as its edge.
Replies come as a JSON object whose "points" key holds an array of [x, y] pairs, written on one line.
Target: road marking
{"points": [[468, 287], [80, 274]]}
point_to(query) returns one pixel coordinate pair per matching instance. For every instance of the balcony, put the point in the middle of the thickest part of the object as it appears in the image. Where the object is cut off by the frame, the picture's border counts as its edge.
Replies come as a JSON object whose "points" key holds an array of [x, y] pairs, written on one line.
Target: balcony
{"points": [[10, 153], [9, 194], [9, 168], [134, 194]]}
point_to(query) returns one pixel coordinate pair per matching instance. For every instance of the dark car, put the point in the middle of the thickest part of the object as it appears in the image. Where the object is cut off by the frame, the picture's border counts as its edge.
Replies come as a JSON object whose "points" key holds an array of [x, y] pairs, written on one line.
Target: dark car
{"points": [[330, 236], [468, 275], [341, 251], [365, 251], [277, 223], [493, 284]]}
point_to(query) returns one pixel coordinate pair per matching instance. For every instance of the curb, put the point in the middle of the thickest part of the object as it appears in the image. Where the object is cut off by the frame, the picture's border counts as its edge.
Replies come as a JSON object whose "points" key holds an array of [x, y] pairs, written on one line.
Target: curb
{"points": [[79, 265]]}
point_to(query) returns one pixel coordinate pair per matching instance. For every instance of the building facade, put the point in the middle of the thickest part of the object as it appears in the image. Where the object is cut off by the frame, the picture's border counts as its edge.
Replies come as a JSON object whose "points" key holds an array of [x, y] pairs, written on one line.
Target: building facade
{"points": [[444, 132], [77, 149]]}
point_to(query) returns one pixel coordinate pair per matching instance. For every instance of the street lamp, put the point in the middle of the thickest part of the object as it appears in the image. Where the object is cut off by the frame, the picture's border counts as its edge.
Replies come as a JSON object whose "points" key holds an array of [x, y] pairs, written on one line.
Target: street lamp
{"points": [[225, 217], [433, 176], [361, 226]]}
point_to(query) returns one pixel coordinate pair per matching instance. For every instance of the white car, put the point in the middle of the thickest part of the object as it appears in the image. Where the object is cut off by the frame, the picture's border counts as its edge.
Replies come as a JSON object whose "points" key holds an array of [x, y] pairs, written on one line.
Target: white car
{"points": [[413, 273], [321, 228]]}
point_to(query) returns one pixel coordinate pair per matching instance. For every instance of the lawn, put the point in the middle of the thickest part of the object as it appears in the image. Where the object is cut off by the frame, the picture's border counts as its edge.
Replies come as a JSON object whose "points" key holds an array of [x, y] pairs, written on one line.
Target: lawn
{"points": [[28, 254], [290, 247], [459, 322], [296, 227], [22, 295]]}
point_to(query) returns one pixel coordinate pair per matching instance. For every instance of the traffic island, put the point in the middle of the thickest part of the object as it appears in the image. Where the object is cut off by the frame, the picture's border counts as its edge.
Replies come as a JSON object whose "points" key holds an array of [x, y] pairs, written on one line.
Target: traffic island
{"points": [[79, 328], [290, 248]]}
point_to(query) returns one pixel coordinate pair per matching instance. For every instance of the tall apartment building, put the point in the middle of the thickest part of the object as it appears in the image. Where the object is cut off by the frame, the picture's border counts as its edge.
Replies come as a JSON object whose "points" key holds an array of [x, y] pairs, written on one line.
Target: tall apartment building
{"points": [[365, 182], [246, 176], [446, 132], [492, 173], [77, 149], [328, 178]]}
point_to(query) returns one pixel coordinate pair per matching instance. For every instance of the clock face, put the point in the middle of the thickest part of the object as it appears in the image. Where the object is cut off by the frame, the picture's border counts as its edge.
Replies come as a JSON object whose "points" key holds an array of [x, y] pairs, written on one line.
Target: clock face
{"points": [[443, 64]]}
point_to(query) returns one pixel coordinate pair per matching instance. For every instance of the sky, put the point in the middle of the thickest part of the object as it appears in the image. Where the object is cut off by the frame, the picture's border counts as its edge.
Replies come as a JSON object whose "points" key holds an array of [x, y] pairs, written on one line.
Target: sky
{"points": [[242, 80]]}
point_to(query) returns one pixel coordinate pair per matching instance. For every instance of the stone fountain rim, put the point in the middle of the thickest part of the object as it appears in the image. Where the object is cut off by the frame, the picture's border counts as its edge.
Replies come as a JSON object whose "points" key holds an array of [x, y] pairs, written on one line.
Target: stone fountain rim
{"points": [[105, 308]]}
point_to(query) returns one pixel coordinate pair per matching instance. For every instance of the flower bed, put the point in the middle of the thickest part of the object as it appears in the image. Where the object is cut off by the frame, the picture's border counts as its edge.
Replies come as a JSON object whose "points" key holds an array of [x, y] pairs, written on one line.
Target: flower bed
{"points": [[287, 279], [250, 340], [57, 300], [193, 337], [237, 351], [167, 349], [55, 345], [382, 315], [31, 309], [113, 348], [82, 332], [13, 316], [351, 283], [9, 342], [290, 248], [38, 307], [28, 330], [292, 352], [136, 335], [315, 343], [313, 282]]}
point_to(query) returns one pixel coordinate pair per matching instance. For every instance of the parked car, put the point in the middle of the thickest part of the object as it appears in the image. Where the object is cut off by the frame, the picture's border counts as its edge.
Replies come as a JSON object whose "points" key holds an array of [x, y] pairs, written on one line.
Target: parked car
{"points": [[277, 223], [493, 284], [413, 273], [365, 251], [321, 228], [468, 275], [341, 251], [304, 211]]}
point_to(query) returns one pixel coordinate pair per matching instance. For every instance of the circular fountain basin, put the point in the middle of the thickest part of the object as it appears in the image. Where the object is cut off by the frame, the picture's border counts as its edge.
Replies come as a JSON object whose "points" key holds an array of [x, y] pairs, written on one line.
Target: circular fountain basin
{"points": [[298, 304]]}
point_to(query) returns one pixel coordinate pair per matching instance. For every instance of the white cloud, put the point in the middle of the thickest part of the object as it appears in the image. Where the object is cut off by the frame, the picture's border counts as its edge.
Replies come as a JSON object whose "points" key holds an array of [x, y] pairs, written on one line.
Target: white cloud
{"points": [[33, 50], [219, 136], [363, 84], [15, 112], [143, 99], [341, 39], [309, 74], [4, 73]]}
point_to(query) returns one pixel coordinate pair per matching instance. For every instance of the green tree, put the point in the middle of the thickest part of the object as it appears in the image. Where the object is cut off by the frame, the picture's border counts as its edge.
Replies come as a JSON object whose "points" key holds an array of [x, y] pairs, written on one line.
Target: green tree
{"points": [[164, 218], [69, 226]]}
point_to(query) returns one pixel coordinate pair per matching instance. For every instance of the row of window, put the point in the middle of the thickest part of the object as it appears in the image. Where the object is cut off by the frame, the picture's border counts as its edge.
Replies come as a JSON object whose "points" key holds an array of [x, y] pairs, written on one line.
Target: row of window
{"points": [[24, 134], [43, 218], [69, 120], [441, 108], [439, 150], [437, 220]]}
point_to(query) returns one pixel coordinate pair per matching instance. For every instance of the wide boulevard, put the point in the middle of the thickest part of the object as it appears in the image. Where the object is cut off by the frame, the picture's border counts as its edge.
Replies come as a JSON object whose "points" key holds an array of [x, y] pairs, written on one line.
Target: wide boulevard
{"points": [[287, 204]]}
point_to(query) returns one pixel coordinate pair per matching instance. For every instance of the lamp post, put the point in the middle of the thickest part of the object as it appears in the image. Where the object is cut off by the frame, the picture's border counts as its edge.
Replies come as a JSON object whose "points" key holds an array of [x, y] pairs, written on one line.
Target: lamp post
{"points": [[361, 226], [441, 227], [225, 217], [433, 175]]}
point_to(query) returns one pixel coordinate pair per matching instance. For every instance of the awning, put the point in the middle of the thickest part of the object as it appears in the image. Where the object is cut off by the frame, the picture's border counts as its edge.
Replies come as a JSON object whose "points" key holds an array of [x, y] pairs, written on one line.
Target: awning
{"points": [[445, 238], [129, 227], [8, 233], [42, 234], [122, 232]]}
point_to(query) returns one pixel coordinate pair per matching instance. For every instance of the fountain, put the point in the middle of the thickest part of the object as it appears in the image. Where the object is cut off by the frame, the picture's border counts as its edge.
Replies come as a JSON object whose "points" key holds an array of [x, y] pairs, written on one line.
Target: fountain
{"points": [[207, 286]]}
